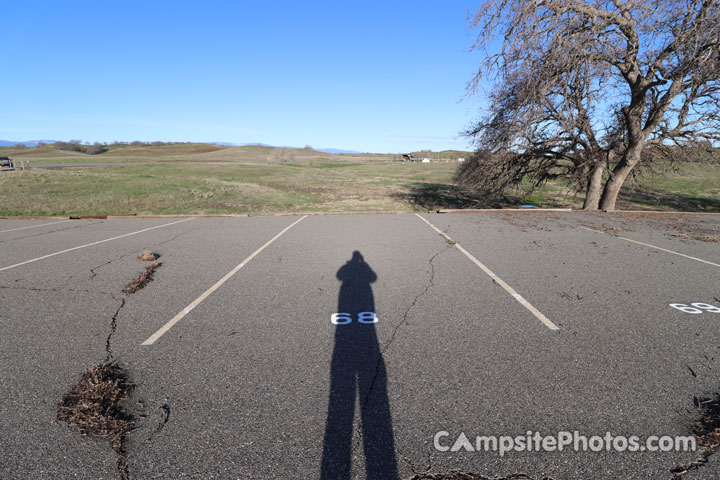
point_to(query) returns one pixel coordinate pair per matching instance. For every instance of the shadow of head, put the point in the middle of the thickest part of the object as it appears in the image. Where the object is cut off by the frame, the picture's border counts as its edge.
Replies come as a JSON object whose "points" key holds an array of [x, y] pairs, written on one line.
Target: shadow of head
{"points": [[355, 272]]}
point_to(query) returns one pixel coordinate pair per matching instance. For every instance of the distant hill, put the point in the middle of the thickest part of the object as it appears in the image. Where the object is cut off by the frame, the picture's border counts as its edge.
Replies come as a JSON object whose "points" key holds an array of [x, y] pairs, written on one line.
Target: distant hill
{"points": [[324, 150], [34, 143], [27, 143]]}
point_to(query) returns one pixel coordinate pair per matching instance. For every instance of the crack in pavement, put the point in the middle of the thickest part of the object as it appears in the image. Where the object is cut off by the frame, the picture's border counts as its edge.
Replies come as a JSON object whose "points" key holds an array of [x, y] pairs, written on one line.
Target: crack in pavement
{"points": [[51, 231], [94, 273], [55, 290], [113, 390], [120, 446], [175, 237], [94, 269], [164, 418], [113, 329], [431, 283], [110, 383], [412, 466], [364, 403]]}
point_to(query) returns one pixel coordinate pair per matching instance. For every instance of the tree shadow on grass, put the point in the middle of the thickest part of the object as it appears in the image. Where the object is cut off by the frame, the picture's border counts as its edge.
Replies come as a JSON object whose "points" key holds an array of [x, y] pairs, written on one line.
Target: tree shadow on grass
{"points": [[435, 196], [658, 200]]}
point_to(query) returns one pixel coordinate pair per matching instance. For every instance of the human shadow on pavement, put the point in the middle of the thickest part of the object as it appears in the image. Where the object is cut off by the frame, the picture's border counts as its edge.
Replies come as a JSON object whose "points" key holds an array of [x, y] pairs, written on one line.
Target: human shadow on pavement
{"points": [[357, 374]]}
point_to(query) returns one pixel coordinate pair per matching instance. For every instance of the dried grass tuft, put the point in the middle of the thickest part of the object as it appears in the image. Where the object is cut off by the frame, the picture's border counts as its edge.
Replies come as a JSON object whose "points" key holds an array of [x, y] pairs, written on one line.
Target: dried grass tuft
{"points": [[141, 280], [148, 256], [95, 405]]}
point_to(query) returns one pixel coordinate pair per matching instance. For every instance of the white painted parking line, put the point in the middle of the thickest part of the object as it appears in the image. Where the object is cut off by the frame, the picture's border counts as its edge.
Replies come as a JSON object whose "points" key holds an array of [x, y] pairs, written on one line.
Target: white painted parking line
{"points": [[163, 330], [537, 313], [649, 245], [91, 244], [35, 226]]}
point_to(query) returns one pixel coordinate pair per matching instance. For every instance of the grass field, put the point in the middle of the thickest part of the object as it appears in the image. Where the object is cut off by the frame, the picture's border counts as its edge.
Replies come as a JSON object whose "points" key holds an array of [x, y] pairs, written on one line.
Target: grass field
{"points": [[207, 179]]}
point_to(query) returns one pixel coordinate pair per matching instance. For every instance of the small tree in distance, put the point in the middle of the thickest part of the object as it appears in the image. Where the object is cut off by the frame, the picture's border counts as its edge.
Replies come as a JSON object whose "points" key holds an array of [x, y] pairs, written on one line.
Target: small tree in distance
{"points": [[587, 89]]}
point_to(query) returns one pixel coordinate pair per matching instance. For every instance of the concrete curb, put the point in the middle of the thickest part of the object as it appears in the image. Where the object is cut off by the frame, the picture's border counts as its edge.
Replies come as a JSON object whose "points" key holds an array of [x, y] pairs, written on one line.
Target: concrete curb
{"points": [[311, 214]]}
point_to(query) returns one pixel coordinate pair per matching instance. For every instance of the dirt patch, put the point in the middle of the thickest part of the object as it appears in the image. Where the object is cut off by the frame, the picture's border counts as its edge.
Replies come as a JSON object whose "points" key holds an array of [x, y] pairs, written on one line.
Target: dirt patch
{"points": [[696, 228], [95, 406], [607, 228], [611, 228], [706, 430], [141, 280], [523, 221], [148, 256], [699, 238], [681, 226], [454, 475]]}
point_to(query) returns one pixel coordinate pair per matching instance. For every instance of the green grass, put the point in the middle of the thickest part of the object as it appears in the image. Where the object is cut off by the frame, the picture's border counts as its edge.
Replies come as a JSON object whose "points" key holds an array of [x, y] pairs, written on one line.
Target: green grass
{"points": [[203, 179], [211, 189]]}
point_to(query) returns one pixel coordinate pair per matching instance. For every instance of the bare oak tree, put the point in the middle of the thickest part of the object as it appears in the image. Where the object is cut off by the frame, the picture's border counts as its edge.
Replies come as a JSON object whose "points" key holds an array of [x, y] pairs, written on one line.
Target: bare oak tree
{"points": [[589, 89]]}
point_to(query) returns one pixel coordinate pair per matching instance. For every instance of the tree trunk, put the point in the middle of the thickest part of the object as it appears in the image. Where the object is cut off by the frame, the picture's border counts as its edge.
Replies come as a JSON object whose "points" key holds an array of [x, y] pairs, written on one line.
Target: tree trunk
{"points": [[618, 176], [594, 188]]}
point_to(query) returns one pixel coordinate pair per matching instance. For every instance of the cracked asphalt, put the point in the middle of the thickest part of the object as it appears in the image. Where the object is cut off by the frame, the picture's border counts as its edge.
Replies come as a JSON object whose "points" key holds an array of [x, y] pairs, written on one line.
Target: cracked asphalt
{"points": [[257, 382]]}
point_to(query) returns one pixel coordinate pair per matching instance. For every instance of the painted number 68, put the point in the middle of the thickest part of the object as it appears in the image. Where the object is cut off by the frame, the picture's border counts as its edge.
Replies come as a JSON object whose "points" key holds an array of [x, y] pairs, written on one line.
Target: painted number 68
{"points": [[696, 308], [346, 318]]}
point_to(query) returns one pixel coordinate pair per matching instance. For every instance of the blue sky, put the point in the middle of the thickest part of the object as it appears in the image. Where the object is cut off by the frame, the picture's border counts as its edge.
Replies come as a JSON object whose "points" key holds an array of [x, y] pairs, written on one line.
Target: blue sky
{"points": [[368, 76]]}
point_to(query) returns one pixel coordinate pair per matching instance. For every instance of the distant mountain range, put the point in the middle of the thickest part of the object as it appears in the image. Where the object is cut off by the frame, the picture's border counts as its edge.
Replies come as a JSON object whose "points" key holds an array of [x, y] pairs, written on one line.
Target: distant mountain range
{"points": [[33, 143]]}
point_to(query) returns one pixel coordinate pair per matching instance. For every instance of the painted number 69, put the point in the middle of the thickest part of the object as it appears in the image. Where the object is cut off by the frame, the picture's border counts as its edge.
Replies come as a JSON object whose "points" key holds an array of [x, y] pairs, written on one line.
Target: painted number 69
{"points": [[346, 318], [696, 308]]}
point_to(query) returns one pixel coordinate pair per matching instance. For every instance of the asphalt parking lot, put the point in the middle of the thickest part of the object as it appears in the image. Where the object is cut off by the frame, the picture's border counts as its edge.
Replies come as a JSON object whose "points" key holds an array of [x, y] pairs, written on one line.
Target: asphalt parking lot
{"points": [[338, 346]]}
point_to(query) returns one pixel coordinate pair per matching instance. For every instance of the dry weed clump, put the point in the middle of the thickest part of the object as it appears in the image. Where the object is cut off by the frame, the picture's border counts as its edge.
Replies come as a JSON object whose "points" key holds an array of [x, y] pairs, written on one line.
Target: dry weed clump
{"points": [[148, 256], [707, 429], [95, 405], [141, 280], [707, 432]]}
